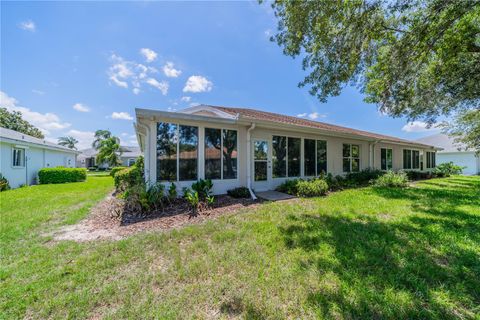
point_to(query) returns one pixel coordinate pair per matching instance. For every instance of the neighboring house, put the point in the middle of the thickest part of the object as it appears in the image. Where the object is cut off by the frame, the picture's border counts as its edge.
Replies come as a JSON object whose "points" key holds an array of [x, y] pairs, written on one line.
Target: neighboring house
{"points": [[23, 155], [87, 157], [244, 147], [454, 152]]}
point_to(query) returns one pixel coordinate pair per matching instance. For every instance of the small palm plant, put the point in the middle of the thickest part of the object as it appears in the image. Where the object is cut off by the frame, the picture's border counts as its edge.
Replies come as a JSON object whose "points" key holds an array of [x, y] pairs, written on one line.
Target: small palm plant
{"points": [[68, 141]]}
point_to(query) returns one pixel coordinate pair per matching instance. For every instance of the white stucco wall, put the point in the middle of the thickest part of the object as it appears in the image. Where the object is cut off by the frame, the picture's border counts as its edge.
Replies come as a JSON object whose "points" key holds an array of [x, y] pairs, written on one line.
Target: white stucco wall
{"points": [[334, 153], [36, 158], [463, 159]]}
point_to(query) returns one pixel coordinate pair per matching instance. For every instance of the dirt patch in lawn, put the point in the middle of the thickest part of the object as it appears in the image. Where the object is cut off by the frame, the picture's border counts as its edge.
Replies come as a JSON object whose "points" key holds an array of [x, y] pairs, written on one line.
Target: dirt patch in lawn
{"points": [[108, 221]]}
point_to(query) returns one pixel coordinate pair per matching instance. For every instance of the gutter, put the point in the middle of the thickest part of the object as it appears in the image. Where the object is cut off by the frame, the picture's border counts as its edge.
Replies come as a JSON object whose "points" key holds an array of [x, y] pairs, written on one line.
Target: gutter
{"points": [[249, 163]]}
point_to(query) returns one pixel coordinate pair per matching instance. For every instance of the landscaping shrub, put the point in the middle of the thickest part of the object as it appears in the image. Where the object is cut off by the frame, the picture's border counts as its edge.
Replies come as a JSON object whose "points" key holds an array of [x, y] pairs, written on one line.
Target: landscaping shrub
{"points": [[447, 169], [115, 170], [392, 180], [335, 182], [203, 187], [312, 188], [240, 192], [362, 178], [128, 177], [200, 195], [418, 175], [172, 192], [61, 175], [4, 185], [289, 186]]}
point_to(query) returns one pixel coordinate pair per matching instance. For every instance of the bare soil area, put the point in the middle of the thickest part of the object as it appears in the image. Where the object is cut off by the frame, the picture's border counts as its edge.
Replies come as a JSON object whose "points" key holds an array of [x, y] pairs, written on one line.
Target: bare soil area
{"points": [[108, 221]]}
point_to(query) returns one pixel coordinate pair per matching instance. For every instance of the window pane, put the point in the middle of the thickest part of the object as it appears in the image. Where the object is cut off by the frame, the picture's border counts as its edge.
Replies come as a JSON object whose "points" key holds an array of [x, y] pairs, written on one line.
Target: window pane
{"points": [[229, 154], [321, 156], [260, 150], [355, 165], [294, 157], [389, 159], [434, 161], [416, 159], [409, 159], [309, 157], [346, 164], [355, 151], [383, 159], [188, 155], [429, 160], [166, 151], [260, 170], [279, 156], [346, 150], [213, 141]]}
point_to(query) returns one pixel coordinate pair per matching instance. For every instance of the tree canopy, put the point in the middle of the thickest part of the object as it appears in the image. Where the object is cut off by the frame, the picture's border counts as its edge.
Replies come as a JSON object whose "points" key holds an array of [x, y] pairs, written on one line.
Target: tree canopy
{"points": [[68, 142], [413, 58], [13, 121]]}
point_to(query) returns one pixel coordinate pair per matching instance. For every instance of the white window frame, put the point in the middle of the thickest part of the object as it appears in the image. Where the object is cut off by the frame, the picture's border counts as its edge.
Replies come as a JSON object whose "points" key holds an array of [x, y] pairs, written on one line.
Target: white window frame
{"points": [[433, 156], [351, 157], [221, 152], [14, 149], [316, 155], [411, 159]]}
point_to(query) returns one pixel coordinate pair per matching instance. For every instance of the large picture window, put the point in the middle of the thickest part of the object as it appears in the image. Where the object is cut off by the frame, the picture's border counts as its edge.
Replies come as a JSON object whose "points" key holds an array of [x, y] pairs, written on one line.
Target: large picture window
{"points": [[279, 156], [351, 157], [213, 153], [315, 157], [177, 152], [293, 149], [18, 157], [411, 159], [430, 160], [220, 154], [386, 159]]}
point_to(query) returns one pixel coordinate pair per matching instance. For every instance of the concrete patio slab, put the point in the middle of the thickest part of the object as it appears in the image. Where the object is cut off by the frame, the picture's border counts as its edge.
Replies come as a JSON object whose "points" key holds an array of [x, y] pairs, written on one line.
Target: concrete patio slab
{"points": [[273, 195]]}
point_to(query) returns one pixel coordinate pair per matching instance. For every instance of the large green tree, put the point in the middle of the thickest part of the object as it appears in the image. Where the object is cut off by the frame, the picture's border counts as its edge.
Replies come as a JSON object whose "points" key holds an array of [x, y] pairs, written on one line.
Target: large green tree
{"points": [[108, 147], [465, 129], [414, 58], [13, 121]]}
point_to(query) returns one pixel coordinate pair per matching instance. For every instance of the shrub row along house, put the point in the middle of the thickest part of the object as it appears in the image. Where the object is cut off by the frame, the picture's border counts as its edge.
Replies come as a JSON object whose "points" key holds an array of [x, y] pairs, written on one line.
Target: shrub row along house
{"points": [[260, 150], [23, 155]]}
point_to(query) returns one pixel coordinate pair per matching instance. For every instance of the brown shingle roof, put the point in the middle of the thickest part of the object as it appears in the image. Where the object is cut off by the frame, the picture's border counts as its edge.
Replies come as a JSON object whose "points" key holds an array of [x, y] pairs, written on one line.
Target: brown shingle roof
{"points": [[280, 118]]}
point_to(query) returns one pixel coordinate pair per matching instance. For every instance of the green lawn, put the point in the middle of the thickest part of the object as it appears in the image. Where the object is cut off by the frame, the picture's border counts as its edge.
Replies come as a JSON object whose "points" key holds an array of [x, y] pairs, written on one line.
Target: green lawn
{"points": [[365, 253]]}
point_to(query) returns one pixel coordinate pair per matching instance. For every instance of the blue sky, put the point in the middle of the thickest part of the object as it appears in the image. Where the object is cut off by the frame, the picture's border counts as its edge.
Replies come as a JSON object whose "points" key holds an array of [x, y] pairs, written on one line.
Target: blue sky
{"points": [[73, 68]]}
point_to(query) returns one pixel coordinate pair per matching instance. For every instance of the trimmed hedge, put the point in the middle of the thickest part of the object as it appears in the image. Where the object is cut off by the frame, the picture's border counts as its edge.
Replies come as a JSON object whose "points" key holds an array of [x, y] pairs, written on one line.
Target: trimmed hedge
{"points": [[128, 177], [61, 175], [312, 188], [240, 192]]}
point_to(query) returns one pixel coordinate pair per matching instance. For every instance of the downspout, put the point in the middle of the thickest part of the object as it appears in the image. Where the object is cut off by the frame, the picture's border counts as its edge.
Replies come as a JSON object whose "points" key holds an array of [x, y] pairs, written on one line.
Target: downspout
{"points": [[147, 147], [249, 162]]}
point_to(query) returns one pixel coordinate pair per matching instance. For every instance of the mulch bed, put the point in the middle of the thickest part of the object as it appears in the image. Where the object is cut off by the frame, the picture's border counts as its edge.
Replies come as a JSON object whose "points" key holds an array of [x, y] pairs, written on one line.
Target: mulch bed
{"points": [[108, 220]]}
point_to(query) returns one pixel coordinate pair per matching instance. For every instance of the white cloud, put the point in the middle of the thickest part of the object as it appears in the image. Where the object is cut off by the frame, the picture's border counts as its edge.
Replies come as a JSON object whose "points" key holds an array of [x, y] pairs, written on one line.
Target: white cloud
{"points": [[170, 71], [149, 54], [162, 86], [85, 138], [313, 115], [186, 99], [121, 116], [44, 121], [418, 126], [28, 25], [198, 84], [268, 33], [81, 107], [126, 74], [39, 92]]}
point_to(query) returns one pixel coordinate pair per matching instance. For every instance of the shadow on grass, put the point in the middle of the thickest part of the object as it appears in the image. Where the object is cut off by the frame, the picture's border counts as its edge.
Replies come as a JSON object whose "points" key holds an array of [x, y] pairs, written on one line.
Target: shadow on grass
{"points": [[420, 266]]}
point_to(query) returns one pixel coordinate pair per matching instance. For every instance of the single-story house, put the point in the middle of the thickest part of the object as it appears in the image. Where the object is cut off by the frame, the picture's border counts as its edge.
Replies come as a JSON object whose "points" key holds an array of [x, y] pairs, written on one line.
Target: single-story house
{"points": [[454, 152], [260, 150], [23, 155], [87, 157]]}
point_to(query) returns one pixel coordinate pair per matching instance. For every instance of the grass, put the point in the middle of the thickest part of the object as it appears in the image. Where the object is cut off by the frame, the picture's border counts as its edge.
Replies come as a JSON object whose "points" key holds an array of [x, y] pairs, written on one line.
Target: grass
{"points": [[364, 253]]}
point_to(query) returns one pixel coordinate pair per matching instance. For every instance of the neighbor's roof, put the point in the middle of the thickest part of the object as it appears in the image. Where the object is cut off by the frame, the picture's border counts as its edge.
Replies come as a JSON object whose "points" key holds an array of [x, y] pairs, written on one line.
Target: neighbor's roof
{"points": [[127, 152], [25, 138], [443, 141], [284, 119]]}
